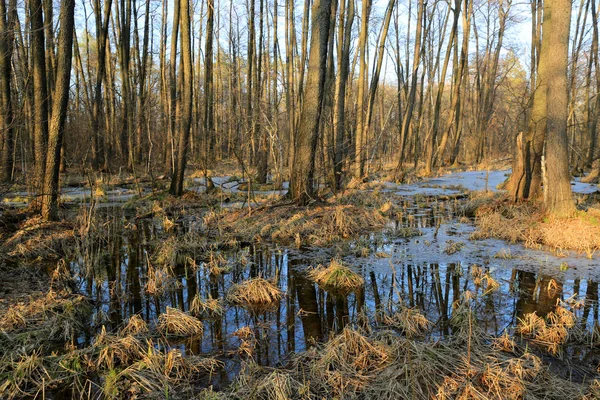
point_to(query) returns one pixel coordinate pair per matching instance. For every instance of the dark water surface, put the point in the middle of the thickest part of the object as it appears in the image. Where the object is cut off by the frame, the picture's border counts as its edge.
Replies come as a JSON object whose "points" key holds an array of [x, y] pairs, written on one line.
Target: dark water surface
{"points": [[414, 271]]}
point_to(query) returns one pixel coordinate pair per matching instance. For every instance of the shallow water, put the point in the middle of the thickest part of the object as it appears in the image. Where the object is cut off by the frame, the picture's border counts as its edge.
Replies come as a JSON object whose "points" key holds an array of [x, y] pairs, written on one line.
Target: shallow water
{"points": [[415, 271]]}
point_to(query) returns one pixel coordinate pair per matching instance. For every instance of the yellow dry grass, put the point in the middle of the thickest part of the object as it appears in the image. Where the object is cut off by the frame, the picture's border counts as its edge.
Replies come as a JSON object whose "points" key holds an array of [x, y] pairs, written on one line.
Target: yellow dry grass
{"points": [[174, 322], [526, 223], [350, 360], [410, 321], [336, 277], [551, 332], [319, 225], [254, 292], [208, 307], [135, 326]]}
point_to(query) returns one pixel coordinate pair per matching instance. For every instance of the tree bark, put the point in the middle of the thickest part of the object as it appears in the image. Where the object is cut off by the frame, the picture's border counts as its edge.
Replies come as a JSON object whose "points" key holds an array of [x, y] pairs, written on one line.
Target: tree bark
{"points": [[302, 188], [555, 46], [184, 126], [59, 110], [7, 29]]}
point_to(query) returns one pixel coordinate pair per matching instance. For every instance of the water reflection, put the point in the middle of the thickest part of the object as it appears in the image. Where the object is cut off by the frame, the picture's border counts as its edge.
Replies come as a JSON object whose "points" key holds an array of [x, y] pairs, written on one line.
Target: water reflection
{"points": [[117, 282]]}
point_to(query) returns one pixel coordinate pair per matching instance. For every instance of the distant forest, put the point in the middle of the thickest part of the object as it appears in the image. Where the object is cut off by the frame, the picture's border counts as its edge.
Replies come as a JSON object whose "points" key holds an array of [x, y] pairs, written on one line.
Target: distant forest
{"points": [[314, 92]]}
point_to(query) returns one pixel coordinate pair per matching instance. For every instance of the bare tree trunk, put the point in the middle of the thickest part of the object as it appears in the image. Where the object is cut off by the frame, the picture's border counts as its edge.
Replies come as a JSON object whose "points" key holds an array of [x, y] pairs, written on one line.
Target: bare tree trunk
{"points": [[302, 187], [185, 99], [7, 37], [359, 142], [40, 93], [593, 112], [376, 73], [555, 54], [406, 120], [208, 89], [59, 109], [440, 91], [346, 19]]}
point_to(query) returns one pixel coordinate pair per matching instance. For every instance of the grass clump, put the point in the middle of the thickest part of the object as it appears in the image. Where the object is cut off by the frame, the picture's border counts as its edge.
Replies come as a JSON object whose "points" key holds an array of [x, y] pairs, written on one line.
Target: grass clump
{"points": [[209, 307], [550, 332], [174, 322], [255, 292], [350, 360], [135, 326], [336, 277], [409, 321]]}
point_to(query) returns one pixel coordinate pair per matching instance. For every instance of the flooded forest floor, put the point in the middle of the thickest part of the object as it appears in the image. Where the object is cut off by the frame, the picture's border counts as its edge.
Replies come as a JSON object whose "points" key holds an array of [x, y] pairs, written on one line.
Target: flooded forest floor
{"points": [[441, 288]]}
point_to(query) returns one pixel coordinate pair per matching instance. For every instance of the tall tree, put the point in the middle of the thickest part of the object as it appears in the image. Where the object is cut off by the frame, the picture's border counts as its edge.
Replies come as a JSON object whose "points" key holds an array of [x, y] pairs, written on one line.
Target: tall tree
{"points": [[359, 142], [185, 99], [302, 188], [40, 92], [554, 61], [102, 21], [60, 101], [7, 37], [346, 19]]}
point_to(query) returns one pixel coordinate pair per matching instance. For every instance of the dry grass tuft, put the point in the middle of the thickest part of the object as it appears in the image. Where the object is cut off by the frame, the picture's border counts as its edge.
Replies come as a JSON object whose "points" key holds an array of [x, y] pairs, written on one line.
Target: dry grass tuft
{"points": [[551, 332], [159, 280], [217, 264], [336, 277], [453, 247], [248, 341], [113, 351], [174, 322], [206, 307], [256, 292], [12, 320], [409, 320], [350, 360], [320, 225], [135, 326]]}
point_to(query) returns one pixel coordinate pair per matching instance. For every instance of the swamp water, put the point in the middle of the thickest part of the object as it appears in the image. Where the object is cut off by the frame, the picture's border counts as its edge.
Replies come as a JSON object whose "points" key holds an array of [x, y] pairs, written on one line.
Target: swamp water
{"points": [[422, 259]]}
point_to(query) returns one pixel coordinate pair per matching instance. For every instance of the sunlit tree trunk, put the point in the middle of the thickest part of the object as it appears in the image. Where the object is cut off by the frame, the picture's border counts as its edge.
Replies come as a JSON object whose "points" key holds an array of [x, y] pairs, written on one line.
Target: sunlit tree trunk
{"points": [[302, 188], [98, 157], [346, 19], [40, 93], [185, 100], [59, 110], [555, 57], [359, 142], [407, 117]]}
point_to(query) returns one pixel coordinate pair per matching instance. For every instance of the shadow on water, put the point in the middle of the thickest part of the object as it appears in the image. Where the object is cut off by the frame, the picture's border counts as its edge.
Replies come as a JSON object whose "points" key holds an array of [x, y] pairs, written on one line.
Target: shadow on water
{"points": [[116, 277]]}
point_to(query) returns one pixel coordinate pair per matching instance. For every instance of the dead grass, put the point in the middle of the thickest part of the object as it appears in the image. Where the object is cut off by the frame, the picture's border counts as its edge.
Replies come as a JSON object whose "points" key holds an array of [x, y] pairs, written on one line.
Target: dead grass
{"points": [[551, 332], [33, 238], [135, 326], [336, 277], [320, 225], [255, 292], [526, 223], [382, 365], [209, 307], [174, 322], [350, 360], [409, 321]]}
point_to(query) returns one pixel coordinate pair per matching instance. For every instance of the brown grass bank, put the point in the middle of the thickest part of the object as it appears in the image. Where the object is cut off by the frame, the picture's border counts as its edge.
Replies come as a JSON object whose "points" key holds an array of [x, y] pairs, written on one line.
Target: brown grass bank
{"points": [[499, 217]]}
